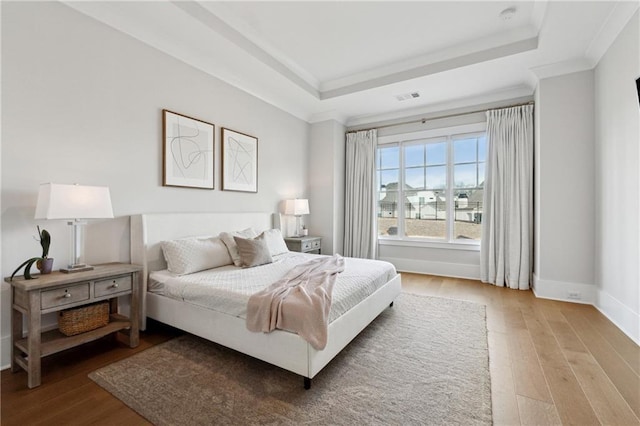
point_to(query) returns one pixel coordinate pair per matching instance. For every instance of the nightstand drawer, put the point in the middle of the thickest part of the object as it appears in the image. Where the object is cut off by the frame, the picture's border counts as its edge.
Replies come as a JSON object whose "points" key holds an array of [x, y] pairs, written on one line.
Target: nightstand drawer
{"points": [[113, 286], [64, 296], [306, 244]]}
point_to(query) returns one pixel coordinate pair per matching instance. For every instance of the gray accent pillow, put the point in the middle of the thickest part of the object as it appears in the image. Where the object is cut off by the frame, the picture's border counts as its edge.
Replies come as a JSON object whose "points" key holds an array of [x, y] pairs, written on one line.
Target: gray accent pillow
{"points": [[253, 252], [227, 239]]}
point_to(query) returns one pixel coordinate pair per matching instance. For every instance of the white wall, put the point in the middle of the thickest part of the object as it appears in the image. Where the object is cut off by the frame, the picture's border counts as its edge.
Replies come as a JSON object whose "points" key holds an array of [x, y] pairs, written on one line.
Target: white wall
{"points": [[81, 103], [564, 190], [326, 184], [617, 130]]}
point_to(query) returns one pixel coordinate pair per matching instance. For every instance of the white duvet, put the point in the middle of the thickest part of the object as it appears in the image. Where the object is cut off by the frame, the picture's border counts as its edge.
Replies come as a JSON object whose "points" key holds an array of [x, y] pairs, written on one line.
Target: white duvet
{"points": [[227, 289]]}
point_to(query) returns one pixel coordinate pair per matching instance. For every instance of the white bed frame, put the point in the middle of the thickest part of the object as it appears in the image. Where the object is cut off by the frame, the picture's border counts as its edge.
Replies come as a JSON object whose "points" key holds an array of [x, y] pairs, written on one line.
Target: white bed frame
{"points": [[283, 349]]}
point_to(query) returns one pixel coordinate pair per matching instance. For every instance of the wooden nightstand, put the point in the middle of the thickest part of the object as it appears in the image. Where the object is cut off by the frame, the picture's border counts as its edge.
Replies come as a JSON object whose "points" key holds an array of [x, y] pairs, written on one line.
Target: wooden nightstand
{"points": [[304, 244], [57, 291]]}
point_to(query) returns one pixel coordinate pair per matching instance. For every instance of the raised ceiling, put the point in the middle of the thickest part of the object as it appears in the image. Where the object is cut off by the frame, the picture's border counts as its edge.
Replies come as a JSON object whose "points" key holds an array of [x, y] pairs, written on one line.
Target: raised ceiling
{"points": [[352, 60]]}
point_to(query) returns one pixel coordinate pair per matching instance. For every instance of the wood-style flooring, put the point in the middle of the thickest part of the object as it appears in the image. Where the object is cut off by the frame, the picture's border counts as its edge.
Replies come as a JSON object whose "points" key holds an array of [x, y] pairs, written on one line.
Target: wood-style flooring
{"points": [[551, 363]]}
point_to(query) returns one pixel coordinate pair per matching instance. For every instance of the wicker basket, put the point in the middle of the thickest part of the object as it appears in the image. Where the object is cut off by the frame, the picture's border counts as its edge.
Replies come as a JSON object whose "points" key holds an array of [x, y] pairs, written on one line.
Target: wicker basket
{"points": [[78, 320]]}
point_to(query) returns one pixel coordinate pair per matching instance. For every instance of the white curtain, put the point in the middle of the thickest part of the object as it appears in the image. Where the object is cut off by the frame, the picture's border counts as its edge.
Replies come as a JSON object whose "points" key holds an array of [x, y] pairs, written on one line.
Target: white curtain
{"points": [[506, 249], [360, 208]]}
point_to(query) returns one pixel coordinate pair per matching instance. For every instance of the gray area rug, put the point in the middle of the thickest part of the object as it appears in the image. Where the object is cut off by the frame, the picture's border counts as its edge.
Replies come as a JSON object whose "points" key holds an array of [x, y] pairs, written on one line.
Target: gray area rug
{"points": [[423, 361]]}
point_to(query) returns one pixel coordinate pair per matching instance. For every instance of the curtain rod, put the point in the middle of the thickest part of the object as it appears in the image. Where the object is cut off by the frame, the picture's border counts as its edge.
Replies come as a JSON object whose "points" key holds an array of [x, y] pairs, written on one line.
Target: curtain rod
{"points": [[424, 120]]}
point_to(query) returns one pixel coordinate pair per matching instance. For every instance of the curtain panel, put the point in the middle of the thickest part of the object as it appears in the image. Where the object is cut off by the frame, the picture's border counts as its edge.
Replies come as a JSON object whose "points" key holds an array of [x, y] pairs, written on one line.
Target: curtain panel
{"points": [[506, 248], [360, 207]]}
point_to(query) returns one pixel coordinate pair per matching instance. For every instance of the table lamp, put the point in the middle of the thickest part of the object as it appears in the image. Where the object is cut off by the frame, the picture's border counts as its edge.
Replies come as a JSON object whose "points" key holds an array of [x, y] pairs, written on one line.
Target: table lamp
{"points": [[296, 208], [76, 203]]}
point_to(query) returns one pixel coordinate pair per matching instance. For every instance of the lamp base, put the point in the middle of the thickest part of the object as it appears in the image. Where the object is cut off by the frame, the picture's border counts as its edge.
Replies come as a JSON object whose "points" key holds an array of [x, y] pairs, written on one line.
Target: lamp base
{"points": [[76, 268]]}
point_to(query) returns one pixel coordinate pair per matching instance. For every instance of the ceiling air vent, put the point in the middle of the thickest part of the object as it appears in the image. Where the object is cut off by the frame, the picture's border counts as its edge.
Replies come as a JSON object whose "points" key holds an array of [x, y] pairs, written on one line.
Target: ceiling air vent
{"points": [[407, 96]]}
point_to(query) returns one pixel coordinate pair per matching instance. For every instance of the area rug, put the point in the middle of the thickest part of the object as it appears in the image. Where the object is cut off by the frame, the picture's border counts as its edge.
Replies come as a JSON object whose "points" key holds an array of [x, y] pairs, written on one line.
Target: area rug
{"points": [[423, 361]]}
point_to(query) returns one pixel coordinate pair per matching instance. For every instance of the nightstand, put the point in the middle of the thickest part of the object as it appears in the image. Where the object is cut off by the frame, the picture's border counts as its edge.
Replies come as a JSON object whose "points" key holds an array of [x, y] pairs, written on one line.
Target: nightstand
{"points": [[57, 291], [304, 244]]}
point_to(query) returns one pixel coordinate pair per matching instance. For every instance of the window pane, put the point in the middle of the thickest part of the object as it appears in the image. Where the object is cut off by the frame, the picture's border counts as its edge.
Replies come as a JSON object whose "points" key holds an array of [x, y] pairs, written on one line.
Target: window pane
{"points": [[468, 214], [464, 176], [389, 157], [425, 215], [414, 178], [388, 226], [436, 177], [388, 213], [436, 153], [426, 168], [388, 179], [464, 150], [482, 148], [414, 155]]}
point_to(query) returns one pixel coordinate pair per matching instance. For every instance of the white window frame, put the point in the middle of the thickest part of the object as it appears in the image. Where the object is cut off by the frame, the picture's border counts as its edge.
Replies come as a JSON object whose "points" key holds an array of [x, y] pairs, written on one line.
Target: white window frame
{"points": [[400, 140]]}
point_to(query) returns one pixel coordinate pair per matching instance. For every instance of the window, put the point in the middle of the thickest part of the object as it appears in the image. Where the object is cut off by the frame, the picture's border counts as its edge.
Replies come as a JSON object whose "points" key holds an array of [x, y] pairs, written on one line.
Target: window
{"points": [[430, 185]]}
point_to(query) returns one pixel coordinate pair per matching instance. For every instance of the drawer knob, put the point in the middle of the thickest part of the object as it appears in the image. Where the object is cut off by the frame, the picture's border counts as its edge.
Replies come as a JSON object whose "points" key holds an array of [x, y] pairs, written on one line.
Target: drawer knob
{"points": [[114, 285], [67, 295]]}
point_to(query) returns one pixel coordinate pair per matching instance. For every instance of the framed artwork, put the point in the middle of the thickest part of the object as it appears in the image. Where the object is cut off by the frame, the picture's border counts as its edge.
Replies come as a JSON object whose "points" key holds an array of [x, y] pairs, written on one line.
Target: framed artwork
{"points": [[239, 161], [188, 151]]}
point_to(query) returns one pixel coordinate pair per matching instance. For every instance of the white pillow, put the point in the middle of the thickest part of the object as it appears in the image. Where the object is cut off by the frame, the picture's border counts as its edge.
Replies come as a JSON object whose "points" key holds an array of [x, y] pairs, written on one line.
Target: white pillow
{"points": [[227, 239], [275, 242], [188, 255]]}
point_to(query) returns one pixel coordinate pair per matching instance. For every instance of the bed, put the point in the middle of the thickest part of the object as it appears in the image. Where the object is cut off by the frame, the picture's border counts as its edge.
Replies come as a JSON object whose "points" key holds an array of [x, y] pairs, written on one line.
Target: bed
{"points": [[281, 348]]}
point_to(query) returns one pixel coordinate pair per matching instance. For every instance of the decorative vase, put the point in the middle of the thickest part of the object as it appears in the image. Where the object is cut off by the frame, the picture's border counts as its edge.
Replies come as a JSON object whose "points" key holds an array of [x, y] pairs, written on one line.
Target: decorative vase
{"points": [[45, 265]]}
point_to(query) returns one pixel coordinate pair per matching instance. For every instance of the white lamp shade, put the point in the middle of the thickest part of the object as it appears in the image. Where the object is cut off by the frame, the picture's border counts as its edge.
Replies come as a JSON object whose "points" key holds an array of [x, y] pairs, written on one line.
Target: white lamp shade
{"points": [[57, 201], [296, 207]]}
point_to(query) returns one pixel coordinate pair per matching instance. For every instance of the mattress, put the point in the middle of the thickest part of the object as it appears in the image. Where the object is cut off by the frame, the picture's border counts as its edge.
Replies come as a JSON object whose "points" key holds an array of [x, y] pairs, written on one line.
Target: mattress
{"points": [[227, 289]]}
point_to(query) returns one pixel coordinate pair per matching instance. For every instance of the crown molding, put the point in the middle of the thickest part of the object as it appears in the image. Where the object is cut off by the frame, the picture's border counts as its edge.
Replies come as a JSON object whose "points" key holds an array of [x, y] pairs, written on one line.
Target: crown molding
{"points": [[612, 26], [436, 67], [562, 68], [328, 115]]}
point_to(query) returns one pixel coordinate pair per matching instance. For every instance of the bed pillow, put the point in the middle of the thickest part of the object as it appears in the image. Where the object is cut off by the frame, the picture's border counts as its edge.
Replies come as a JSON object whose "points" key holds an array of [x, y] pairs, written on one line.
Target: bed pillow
{"points": [[253, 251], [188, 255], [227, 239], [275, 242]]}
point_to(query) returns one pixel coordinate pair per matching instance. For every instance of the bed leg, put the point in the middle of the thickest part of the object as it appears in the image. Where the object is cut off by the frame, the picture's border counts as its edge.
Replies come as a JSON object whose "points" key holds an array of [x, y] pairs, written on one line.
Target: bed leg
{"points": [[307, 383], [391, 305]]}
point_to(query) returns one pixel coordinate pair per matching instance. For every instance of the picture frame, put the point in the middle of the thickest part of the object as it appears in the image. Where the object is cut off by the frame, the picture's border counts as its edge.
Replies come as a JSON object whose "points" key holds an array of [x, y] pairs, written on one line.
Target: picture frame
{"points": [[239, 161], [188, 151]]}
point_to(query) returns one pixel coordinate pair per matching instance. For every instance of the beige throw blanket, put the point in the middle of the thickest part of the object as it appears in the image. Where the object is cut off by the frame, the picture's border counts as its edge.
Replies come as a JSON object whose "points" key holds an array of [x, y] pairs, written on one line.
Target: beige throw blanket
{"points": [[299, 302]]}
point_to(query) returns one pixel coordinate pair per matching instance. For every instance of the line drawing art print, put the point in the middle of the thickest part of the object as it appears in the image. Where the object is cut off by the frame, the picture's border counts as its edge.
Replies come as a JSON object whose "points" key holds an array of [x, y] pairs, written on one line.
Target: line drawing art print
{"points": [[188, 151], [239, 161]]}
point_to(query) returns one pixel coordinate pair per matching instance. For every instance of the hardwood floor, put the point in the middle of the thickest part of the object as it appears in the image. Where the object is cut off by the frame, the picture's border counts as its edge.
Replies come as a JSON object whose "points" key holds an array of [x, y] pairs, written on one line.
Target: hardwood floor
{"points": [[551, 363], [67, 396]]}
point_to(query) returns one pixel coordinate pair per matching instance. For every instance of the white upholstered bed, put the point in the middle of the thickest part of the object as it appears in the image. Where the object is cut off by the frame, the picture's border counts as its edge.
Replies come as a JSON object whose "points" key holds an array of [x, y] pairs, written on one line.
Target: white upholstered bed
{"points": [[281, 348]]}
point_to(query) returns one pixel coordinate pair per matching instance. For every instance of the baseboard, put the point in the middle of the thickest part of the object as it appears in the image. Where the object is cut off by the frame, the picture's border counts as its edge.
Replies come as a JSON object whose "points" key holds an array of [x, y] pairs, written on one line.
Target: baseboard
{"points": [[5, 352], [455, 270], [564, 291], [619, 314]]}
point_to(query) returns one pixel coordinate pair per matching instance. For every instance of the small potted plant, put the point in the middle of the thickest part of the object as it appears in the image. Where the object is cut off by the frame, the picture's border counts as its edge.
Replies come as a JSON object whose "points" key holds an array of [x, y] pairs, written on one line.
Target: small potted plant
{"points": [[44, 263]]}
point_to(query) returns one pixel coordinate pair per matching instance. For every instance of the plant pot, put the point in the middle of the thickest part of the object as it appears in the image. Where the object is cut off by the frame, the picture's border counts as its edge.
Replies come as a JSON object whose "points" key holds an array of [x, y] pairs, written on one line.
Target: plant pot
{"points": [[45, 265]]}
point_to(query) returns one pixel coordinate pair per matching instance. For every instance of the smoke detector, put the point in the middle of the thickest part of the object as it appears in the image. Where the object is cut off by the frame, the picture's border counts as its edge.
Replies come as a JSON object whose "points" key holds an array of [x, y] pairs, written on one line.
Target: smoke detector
{"points": [[407, 96], [507, 14]]}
